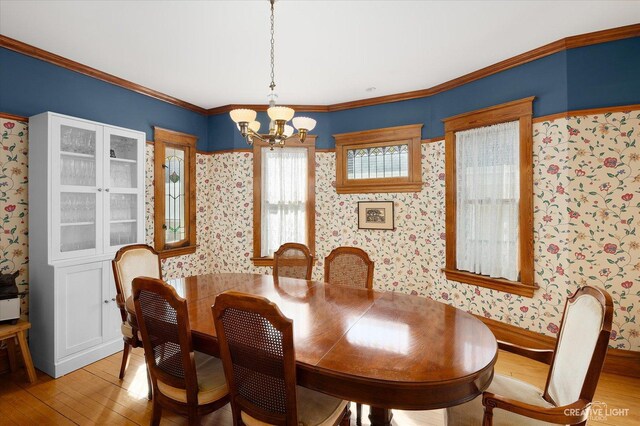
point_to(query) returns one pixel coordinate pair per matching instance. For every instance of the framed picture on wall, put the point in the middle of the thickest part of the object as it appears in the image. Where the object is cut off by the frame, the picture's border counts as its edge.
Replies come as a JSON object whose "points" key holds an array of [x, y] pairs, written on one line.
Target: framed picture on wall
{"points": [[375, 215]]}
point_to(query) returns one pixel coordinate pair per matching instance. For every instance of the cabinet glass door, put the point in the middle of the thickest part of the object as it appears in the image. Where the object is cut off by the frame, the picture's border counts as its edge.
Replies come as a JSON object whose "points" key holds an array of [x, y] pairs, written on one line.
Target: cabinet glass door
{"points": [[124, 174], [77, 221], [77, 180], [77, 156]]}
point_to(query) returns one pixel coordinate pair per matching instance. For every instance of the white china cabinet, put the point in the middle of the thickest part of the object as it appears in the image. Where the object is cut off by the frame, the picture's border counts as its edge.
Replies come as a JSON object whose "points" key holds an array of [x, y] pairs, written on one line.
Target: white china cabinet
{"points": [[86, 200]]}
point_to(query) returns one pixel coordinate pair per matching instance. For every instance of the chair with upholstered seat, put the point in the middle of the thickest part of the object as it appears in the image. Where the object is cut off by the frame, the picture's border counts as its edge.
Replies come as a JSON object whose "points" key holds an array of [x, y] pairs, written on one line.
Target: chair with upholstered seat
{"points": [[350, 266], [184, 381], [257, 350], [575, 368], [136, 260], [293, 260]]}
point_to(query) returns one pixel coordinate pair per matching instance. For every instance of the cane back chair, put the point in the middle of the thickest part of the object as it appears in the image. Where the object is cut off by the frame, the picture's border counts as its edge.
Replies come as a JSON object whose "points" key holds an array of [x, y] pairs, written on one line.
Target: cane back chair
{"points": [[257, 350], [293, 260], [350, 266], [184, 381]]}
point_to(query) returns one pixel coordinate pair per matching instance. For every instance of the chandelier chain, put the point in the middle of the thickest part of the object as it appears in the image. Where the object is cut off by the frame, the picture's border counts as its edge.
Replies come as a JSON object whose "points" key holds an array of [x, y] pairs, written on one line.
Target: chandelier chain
{"points": [[273, 84], [279, 131]]}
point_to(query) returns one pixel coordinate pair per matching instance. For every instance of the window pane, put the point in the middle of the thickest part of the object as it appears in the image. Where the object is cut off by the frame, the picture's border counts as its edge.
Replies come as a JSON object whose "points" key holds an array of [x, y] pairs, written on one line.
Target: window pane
{"points": [[284, 198], [378, 162], [175, 198], [488, 195]]}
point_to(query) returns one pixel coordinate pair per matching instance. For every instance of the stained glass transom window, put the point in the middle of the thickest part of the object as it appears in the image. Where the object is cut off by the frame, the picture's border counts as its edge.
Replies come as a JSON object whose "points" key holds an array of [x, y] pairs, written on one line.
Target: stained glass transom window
{"points": [[378, 162], [175, 198]]}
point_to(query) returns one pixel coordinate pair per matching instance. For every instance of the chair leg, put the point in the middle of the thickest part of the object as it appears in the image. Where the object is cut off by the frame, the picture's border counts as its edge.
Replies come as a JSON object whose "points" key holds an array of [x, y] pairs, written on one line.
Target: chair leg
{"points": [[156, 413], [358, 414], [346, 417], [125, 360], [194, 418], [149, 386]]}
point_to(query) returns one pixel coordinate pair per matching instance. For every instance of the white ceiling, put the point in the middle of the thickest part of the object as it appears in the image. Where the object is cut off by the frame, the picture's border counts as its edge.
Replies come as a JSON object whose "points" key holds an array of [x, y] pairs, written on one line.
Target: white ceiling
{"points": [[213, 53]]}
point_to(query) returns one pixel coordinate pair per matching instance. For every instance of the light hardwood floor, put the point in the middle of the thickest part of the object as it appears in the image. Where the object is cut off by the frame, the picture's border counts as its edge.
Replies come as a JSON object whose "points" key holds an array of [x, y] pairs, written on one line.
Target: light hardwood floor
{"points": [[94, 395]]}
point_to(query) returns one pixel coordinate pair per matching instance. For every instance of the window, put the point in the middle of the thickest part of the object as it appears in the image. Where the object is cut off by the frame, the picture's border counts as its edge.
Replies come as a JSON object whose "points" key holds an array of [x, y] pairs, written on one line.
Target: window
{"points": [[174, 192], [382, 160], [489, 198], [378, 162], [284, 197]]}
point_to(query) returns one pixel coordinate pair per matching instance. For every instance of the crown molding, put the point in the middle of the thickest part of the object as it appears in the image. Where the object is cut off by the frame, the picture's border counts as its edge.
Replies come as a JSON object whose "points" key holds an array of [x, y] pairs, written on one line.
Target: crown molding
{"points": [[571, 42], [34, 52]]}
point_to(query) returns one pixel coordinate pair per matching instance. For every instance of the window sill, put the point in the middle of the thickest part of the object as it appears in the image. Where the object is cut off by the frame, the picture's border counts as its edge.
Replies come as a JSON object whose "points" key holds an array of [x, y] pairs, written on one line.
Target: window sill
{"points": [[499, 284], [262, 261], [178, 251], [379, 187]]}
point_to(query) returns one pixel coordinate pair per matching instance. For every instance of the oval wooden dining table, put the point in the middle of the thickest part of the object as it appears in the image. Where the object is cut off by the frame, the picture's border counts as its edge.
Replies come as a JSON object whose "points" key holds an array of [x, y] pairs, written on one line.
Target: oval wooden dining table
{"points": [[385, 349]]}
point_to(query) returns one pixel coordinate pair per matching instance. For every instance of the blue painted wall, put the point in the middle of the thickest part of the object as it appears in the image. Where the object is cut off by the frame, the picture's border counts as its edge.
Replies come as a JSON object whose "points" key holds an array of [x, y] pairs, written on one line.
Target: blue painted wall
{"points": [[606, 74], [545, 78], [29, 86]]}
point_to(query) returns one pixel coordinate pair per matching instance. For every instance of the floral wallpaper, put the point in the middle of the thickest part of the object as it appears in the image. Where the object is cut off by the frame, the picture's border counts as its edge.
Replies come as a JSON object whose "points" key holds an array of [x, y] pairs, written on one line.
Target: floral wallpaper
{"points": [[586, 210], [200, 261], [14, 180], [586, 203]]}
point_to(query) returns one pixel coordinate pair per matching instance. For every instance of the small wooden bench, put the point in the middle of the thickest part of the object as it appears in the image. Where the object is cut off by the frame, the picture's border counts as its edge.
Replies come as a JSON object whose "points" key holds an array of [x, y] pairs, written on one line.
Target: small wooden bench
{"points": [[8, 332]]}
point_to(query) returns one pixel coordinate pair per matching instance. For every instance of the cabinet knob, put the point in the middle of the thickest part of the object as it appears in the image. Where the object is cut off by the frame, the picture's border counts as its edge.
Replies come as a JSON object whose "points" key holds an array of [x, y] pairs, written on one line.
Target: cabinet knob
{"points": [[106, 301], [99, 189], [107, 190], [113, 299]]}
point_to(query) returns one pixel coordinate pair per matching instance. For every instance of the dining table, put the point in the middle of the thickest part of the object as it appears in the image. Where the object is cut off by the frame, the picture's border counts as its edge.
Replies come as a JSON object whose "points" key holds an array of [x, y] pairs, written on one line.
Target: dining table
{"points": [[388, 350]]}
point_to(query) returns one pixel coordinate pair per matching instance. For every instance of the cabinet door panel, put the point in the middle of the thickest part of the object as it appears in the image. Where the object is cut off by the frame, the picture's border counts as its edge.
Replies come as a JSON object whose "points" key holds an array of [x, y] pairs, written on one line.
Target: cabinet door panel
{"points": [[112, 318], [77, 178], [124, 178], [80, 300]]}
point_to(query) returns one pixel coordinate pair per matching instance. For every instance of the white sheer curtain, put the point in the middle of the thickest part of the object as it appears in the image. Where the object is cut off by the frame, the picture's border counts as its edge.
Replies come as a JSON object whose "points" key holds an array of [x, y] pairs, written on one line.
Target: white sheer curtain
{"points": [[284, 198], [488, 194]]}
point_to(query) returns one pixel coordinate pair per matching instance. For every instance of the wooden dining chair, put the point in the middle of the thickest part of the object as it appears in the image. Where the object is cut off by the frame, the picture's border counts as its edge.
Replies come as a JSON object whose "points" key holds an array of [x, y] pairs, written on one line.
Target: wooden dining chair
{"points": [[136, 260], [184, 381], [350, 266], [256, 347], [293, 260], [576, 364]]}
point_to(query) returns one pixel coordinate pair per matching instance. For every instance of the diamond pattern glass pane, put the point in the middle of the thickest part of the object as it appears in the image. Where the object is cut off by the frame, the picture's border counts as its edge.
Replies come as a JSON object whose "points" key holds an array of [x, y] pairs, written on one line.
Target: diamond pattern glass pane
{"points": [[378, 162], [175, 198]]}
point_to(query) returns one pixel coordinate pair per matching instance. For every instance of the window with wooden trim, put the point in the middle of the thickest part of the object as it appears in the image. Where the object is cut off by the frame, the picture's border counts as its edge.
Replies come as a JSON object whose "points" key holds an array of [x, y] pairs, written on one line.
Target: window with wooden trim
{"points": [[174, 192], [489, 198], [381, 160], [284, 197]]}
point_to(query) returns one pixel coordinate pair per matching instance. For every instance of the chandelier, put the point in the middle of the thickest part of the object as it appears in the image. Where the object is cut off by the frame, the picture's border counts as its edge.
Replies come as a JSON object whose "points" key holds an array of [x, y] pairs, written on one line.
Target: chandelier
{"points": [[279, 130]]}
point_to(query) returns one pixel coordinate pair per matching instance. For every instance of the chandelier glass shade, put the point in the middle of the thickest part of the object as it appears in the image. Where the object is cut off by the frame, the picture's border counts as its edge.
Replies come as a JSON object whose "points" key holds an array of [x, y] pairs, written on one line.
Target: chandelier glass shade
{"points": [[279, 130]]}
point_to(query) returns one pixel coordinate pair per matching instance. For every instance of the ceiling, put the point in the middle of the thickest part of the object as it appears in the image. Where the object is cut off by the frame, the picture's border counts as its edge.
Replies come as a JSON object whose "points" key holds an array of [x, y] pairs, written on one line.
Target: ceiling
{"points": [[213, 53]]}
